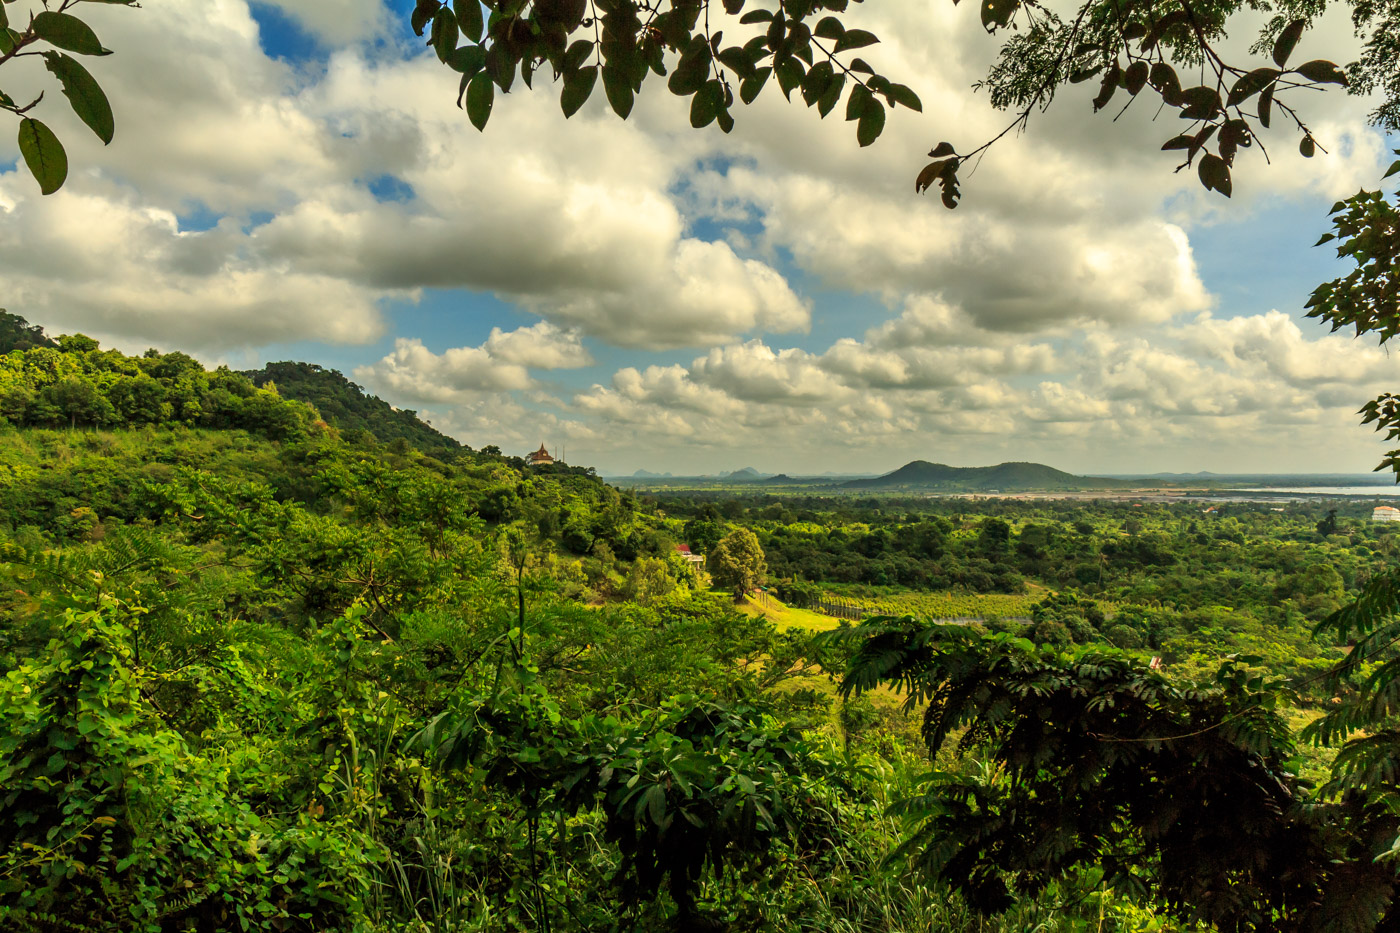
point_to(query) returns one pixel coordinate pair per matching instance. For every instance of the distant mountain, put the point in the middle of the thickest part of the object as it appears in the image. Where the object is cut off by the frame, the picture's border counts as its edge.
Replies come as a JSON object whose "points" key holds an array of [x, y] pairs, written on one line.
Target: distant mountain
{"points": [[1004, 477], [349, 407], [747, 474], [647, 474]]}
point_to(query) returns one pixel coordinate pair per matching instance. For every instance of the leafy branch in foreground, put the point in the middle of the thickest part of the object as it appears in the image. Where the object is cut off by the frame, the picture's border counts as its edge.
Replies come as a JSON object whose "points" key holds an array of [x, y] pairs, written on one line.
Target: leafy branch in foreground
{"points": [[50, 34], [622, 42], [1089, 762]]}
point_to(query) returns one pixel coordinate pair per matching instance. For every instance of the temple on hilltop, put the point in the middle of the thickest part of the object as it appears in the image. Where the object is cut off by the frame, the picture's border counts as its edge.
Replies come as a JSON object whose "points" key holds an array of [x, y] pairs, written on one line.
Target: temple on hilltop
{"points": [[539, 457]]}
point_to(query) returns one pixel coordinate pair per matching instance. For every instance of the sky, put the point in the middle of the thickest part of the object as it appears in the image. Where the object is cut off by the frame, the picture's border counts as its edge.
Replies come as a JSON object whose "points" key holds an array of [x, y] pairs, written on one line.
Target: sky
{"points": [[292, 180]]}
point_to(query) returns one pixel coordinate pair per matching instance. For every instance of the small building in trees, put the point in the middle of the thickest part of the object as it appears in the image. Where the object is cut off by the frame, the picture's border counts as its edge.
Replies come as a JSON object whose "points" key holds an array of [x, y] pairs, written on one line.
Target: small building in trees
{"points": [[695, 560], [539, 457], [1385, 513]]}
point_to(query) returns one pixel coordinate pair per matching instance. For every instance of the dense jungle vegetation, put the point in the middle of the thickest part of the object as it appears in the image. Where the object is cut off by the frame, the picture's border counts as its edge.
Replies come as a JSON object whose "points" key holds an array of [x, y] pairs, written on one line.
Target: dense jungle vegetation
{"points": [[271, 665]]}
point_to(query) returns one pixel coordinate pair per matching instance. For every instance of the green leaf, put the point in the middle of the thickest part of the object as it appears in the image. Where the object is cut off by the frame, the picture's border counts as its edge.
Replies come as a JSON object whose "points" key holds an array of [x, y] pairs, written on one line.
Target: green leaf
{"points": [[756, 16], [816, 82], [469, 18], [67, 32], [829, 28], [693, 69], [656, 803], [618, 89], [1164, 79], [832, 96], [856, 103], [481, 94], [577, 86], [4, 18], [444, 35], [753, 84], [1394, 167], [872, 123], [83, 93], [468, 60], [996, 13], [1214, 173], [1135, 78], [1287, 39], [1266, 106], [1250, 84], [1323, 72], [1307, 147], [706, 103], [855, 39], [578, 53], [904, 96], [1200, 103], [790, 74], [44, 155]]}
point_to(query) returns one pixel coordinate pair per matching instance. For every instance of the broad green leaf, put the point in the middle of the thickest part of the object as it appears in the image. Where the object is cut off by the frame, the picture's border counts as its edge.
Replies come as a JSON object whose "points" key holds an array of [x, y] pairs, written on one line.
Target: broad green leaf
{"points": [[1250, 84], [904, 96], [857, 102], [1164, 79], [872, 123], [1394, 167], [67, 32], [855, 39], [996, 13], [469, 18], [832, 96], [481, 94], [829, 28], [1135, 78], [1308, 148], [1287, 39], [1214, 173], [83, 93], [705, 105], [1323, 72], [44, 155], [577, 87], [1200, 103], [577, 54], [444, 35], [468, 60], [752, 85], [618, 89]]}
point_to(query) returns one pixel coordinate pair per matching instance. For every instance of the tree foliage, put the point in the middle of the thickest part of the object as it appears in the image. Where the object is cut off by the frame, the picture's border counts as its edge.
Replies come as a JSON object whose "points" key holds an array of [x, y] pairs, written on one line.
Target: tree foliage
{"points": [[50, 34]]}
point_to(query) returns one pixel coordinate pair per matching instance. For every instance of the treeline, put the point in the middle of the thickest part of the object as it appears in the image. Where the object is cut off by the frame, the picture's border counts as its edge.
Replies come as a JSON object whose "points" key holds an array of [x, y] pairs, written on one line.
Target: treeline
{"points": [[79, 385]]}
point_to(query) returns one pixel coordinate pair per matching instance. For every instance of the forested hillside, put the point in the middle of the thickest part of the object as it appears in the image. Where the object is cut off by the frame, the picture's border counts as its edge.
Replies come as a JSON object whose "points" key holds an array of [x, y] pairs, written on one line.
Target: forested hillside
{"points": [[347, 406], [263, 670]]}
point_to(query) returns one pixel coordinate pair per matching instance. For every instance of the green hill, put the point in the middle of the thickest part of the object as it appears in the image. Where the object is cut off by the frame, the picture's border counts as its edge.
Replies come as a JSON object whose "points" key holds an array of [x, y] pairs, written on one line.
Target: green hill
{"points": [[347, 407], [1004, 477], [18, 334]]}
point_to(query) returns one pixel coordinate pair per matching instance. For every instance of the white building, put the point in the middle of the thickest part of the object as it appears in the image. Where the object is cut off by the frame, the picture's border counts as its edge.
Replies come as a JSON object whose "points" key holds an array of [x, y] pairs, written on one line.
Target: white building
{"points": [[1385, 513]]}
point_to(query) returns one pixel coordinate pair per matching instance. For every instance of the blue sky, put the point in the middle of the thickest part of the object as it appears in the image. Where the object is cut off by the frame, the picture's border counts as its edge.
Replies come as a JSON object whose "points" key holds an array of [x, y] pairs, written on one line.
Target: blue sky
{"points": [[296, 183]]}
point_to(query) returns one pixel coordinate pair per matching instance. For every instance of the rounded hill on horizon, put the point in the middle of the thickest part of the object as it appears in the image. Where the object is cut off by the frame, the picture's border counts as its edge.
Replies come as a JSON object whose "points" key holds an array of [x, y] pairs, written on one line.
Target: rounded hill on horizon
{"points": [[1015, 476]]}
